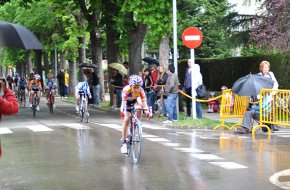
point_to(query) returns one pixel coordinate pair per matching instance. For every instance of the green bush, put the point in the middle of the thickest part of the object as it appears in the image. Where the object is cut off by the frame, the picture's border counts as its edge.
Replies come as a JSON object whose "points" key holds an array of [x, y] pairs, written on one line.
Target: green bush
{"points": [[225, 71]]}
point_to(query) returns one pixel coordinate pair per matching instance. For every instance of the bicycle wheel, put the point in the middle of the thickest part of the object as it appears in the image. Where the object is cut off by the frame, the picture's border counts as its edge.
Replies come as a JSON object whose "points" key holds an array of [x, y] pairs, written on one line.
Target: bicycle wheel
{"points": [[33, 105], [81, 110], [136, 146], [86, 116]]}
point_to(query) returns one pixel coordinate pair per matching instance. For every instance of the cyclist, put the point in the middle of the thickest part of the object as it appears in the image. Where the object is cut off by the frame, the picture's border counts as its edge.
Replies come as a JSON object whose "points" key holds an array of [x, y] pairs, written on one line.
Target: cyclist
{"points": [[22, 84], [35, 85], [82, 87], [15, 81], [132, 95], [50, 87]]}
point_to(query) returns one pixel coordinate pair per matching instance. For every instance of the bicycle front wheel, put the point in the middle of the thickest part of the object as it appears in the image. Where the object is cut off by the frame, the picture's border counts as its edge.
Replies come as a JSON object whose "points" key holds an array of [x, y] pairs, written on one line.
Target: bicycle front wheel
{"points": [[136, 146]]}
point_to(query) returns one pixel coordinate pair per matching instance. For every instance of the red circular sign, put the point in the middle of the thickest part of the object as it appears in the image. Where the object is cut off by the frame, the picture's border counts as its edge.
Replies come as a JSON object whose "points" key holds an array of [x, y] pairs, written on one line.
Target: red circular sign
{"points": [[192, 37]]}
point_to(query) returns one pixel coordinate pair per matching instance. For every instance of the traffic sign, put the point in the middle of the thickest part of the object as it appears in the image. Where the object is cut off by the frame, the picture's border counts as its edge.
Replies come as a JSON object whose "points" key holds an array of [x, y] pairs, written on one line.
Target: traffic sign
{"points": [[192, 37]]}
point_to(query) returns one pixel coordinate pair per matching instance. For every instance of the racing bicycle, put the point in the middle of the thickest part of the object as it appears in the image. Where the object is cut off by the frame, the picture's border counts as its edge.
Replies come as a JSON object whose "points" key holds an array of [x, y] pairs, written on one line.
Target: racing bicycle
{"points": [[83, 110], [34, 101], [50, 100], [21, 98], [134, 139]]}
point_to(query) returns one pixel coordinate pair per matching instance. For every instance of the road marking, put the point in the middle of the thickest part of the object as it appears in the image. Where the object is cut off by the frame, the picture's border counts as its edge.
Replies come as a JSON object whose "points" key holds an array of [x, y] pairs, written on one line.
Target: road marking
{"points": [[171, 144], [39, 128], [229, 165], [158, 139], [150, 126], [206, 156], [148, 136], [5, 130], [76, 126], [189, 150], [275, 179]]}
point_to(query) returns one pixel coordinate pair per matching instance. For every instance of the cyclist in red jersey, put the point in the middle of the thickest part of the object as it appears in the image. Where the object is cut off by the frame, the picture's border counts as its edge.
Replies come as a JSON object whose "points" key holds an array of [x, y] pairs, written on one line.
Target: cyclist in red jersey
{"points": [[132, 95], [8, 101]]}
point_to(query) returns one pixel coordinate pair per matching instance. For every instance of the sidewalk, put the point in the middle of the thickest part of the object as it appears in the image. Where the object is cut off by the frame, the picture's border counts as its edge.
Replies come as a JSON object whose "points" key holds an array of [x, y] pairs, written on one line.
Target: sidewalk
{"points": [[213, 116]]}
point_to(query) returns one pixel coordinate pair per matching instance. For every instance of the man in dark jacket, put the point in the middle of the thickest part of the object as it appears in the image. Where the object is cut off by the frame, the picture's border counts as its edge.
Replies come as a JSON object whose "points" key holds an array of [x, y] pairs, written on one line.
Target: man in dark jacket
{"points": [[61, 83], [96, 87]]}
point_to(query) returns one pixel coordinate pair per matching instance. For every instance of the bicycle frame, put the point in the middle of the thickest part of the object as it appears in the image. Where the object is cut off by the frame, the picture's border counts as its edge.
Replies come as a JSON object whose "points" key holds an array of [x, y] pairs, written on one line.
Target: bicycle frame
{"points": [[83, 107]]}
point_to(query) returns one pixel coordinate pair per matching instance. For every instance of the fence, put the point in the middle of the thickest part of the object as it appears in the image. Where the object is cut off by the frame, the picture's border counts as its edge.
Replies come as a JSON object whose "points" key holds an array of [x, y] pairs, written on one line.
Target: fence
{"points": [[274, 108], [232, 106]]}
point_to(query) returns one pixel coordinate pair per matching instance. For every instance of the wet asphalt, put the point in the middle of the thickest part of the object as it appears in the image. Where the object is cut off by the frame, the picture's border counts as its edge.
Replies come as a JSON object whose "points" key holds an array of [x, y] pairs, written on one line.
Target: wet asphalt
{"points": [[58, 152]]}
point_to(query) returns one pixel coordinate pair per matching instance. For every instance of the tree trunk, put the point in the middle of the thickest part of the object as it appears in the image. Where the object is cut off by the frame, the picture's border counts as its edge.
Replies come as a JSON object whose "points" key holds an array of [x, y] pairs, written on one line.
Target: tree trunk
{"points": [[100, 69], [164, 50], [28, 62], [46, 62], [113, 53], [72, 77], [82, 55], [38, 64], [136, 38], [62, 60]]}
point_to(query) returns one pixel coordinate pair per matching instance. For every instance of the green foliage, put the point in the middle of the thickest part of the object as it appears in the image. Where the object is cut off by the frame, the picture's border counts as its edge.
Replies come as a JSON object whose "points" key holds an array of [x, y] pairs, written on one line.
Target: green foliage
{"points": [[225, 71]]}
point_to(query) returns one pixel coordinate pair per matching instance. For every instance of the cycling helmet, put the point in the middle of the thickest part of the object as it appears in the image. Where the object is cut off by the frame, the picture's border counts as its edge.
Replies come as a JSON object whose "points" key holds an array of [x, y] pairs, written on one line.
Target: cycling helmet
{"points": [[16, 75], [135, 80], [37, 77]]}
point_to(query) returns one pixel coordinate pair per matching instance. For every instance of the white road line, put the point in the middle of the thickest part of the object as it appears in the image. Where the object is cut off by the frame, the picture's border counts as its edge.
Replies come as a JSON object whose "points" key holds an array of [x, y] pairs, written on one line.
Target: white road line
{"points": [[150, 126], [189, 150], [206, 156], [76, 126], [5, 130], [229, 165], [39, 128], [149, 136], [284, 136], [275, 179], [158, 139], [171, 144]]}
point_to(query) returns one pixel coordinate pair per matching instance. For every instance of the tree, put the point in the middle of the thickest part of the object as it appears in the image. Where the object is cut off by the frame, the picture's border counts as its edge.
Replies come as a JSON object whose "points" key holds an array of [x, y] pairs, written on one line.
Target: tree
{"points": [[272, 27]]}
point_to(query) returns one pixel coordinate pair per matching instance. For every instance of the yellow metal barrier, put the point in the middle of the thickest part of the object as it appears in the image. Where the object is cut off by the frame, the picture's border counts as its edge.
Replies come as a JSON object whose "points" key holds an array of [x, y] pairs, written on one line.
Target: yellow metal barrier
{"points": [[274, 108], [232, 106]]}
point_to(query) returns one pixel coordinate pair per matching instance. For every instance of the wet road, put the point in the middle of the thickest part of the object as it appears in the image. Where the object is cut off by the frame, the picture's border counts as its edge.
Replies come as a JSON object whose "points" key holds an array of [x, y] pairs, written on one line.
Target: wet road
{"points": [[59, 152]]}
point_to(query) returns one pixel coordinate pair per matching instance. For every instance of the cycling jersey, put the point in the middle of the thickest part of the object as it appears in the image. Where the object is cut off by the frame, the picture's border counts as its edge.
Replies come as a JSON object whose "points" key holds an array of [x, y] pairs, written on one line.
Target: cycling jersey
{"points": [[129, 94], [34, 85], [83, 87], [22, 83], [49, 83]]}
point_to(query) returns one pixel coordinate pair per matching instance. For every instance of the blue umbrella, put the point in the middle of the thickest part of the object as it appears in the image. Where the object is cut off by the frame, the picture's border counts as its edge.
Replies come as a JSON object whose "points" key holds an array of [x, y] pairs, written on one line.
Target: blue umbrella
{"points": [[251, 85]]}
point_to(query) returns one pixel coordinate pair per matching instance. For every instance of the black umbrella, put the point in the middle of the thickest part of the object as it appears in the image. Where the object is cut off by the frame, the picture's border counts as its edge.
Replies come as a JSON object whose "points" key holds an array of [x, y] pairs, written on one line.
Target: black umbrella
{"points": [[150, 61], [251, 85], [17, 36], [87, 65]]}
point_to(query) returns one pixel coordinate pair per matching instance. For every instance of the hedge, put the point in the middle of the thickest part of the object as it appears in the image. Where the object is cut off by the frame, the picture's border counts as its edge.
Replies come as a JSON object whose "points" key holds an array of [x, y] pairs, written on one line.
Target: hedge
{"points": [[219, 72]]}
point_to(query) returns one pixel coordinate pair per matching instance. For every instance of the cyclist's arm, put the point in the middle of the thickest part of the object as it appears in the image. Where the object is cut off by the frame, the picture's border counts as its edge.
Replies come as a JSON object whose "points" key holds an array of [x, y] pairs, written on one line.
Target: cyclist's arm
{"points": [[143, 99]]}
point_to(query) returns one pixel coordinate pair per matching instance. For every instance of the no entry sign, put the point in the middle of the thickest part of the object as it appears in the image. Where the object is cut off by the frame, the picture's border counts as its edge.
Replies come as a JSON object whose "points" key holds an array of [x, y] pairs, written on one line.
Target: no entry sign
{"points": [[192, 37]]}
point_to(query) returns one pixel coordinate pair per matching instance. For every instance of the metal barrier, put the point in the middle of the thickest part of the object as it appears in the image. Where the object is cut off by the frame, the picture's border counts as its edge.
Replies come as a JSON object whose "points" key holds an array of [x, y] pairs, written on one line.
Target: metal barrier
{"points": [[232, 106], [274, 108]]}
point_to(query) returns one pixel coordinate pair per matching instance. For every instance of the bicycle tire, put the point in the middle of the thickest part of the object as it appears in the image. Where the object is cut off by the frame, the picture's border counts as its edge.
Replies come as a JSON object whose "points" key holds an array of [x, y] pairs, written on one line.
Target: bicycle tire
{"points": [[34, 106], [50, 104], [136, 147], [86, 117]]}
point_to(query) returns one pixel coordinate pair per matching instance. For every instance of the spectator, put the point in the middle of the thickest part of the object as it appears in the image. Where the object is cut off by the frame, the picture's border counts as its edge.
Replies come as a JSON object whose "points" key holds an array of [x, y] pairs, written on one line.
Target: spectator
{"points": [[154, 75], [171, 90], [61, 82], [126, 65], [8, 102], [161, 81], [148, 86], [117, 82], [10, 81], [96, 88], [187, 87], [197, 80], [66, 82], [265, 71]]}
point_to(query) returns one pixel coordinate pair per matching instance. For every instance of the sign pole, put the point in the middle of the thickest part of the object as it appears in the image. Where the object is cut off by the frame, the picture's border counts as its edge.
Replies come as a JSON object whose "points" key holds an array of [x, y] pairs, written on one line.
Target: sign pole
{"points": [[193, 92]]}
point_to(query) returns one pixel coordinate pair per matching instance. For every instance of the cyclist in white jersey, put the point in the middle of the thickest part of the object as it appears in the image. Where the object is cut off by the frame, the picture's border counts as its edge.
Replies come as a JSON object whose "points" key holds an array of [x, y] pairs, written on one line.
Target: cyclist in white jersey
{"points": [[82, 87]]}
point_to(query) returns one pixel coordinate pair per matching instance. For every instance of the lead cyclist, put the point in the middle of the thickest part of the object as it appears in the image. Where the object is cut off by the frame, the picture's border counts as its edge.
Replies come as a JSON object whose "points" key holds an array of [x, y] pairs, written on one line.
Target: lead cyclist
{"points": [[132, 95]]}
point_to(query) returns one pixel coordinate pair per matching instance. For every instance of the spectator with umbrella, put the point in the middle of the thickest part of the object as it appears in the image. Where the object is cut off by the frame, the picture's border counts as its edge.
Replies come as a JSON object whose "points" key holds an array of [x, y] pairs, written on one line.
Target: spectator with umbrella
{"points": [[251, 85]]}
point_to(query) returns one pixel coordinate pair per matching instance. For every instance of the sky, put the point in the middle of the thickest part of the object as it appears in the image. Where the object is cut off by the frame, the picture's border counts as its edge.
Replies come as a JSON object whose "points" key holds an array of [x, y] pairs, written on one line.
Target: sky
{"points": [[244, 9]]}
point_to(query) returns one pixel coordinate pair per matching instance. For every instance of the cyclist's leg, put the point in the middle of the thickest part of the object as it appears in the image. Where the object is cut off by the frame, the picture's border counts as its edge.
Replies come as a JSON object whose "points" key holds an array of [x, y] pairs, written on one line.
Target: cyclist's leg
{"points": [[30, 97], [38, 97], [52, 95]]}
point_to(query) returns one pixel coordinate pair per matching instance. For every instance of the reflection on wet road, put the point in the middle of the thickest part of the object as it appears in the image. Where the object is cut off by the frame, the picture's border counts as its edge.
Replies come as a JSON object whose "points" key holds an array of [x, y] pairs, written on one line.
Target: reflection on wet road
{"points": [[59, 152]]}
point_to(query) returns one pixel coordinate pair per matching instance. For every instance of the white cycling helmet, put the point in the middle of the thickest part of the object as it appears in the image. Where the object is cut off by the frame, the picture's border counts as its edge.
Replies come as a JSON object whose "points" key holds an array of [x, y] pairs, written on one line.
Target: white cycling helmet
{"points": [[37, 77], [135, 80]]}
